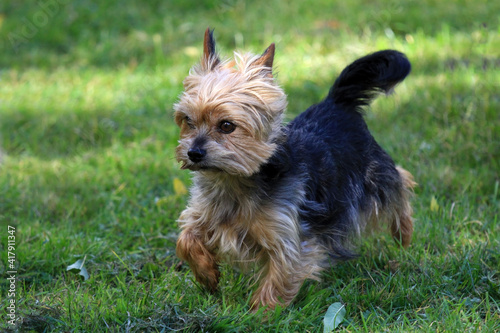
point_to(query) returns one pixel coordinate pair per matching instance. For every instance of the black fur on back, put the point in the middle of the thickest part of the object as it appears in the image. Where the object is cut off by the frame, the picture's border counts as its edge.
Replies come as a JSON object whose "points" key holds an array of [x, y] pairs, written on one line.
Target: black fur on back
{"points": [[330, 154]]}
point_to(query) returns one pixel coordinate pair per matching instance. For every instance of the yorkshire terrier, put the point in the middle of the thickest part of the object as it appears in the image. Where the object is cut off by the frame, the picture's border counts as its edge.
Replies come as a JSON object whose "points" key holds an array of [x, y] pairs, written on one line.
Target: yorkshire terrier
{"points": [[288, 198]]}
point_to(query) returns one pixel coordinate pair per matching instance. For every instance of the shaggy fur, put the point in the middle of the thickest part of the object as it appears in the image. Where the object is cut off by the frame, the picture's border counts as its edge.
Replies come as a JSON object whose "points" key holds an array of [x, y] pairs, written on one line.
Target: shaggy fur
{"points": [[288, 199]]}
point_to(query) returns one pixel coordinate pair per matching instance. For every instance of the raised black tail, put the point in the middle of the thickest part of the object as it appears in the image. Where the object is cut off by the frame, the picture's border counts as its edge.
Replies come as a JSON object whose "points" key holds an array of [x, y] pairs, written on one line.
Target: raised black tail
{"points": [[360, 82]]}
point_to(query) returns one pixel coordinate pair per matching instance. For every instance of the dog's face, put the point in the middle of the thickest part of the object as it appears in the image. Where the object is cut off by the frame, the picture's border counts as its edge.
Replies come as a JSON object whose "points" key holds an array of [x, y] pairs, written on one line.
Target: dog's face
{"points": [[229, 113]]}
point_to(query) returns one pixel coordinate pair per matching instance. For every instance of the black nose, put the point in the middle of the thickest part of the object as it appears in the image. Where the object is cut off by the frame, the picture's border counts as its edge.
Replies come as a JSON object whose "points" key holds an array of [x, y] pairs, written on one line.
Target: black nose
{"points": [[196, 154]]}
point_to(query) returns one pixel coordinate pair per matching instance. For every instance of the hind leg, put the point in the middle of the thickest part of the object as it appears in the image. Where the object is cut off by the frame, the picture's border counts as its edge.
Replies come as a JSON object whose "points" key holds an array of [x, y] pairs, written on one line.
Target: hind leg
{"points": [[402, 224], [402, 229]]}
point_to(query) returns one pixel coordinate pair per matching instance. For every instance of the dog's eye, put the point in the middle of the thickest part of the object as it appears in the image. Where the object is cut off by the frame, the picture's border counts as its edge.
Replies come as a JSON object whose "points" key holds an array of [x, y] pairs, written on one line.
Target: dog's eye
{"points": [[188, 122], [227, 127]]}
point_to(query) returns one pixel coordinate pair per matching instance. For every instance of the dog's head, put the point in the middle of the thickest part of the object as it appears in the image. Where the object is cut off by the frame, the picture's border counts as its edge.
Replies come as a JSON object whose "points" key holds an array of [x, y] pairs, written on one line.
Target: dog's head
{"points": [[229, 113]]}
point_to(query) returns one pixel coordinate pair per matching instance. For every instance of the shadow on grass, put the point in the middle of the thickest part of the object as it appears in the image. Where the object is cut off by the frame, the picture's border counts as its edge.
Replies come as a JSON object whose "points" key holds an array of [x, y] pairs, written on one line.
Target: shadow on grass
{"points": [[115, 34]]}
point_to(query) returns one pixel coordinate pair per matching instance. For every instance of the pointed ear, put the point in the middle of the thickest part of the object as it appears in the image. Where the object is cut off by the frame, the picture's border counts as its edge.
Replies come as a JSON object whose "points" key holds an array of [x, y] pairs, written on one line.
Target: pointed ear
{"points": [[266, 59], [210, 58]]}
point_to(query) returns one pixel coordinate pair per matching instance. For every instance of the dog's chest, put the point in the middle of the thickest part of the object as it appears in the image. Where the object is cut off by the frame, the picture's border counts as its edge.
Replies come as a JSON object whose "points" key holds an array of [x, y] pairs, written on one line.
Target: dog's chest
{"points": [[234, 223]]}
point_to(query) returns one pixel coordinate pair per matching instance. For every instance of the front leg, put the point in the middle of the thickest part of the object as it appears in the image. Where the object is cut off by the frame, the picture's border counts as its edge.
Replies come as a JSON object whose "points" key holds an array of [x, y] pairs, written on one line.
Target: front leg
{"points": [[202, 262], [287, 260], [280, 283]]}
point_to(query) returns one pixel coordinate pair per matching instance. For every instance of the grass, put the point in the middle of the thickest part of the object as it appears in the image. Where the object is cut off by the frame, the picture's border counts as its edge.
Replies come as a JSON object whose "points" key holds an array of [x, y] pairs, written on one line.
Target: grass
{"points": [[88, 168]]}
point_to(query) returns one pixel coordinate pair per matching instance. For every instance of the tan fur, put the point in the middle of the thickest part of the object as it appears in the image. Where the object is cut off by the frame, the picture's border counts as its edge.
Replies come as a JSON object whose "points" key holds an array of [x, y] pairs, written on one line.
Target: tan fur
{"points": [[402, 225], [397, 214], [263, 236], [244, 95], [203, 264]]}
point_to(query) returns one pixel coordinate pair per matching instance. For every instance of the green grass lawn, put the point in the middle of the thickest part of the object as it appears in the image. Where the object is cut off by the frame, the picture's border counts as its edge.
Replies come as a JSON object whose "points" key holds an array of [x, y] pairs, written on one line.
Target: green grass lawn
{"points": [[88, 172]]}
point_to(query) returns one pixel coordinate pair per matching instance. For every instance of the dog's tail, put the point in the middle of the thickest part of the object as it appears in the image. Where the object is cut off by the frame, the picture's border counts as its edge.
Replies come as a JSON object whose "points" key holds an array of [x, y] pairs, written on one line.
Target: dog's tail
{"points": [[360, 82]]}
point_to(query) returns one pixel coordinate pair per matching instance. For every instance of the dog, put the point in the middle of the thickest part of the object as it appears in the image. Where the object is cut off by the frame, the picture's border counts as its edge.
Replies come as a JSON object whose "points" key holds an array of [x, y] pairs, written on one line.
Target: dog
{"points": [[287, 200]]}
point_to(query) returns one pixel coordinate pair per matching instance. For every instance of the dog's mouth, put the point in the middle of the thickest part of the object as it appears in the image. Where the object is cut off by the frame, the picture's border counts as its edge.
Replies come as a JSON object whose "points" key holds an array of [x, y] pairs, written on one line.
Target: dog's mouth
{"points": [[200, 167]]}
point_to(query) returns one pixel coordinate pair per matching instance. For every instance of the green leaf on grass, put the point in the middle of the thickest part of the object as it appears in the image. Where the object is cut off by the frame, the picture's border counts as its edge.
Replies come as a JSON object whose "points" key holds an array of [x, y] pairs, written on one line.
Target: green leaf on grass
{"points": [[77, 267], [333, 317]]}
